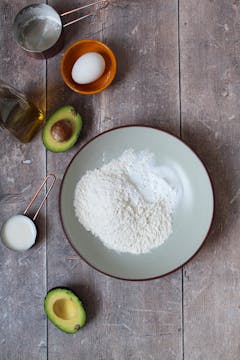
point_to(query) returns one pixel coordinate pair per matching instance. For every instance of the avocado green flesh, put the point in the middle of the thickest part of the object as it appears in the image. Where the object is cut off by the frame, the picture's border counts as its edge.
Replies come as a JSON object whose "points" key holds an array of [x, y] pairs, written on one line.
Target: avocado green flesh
{"points": [[66, 113], [65, 310]]}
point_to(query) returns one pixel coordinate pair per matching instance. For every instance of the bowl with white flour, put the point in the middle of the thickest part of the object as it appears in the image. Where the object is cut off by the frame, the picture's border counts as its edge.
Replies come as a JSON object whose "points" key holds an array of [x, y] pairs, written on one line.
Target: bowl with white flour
{"points": [[136, 203]]}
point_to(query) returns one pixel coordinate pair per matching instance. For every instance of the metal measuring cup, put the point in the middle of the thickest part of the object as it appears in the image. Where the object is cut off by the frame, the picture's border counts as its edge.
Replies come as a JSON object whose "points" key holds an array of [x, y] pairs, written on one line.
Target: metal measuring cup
{"points": [[38, 28], [19, 232]]}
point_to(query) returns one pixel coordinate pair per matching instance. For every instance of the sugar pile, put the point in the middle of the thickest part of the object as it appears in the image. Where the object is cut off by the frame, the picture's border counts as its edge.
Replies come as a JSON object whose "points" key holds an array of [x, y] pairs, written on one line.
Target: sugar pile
{"points": [[128, 203]]}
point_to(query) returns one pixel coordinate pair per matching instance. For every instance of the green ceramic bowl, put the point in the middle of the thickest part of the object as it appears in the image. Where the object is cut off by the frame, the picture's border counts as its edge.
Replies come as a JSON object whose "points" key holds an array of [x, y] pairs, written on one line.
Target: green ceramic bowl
{"points": [[192, 218]]}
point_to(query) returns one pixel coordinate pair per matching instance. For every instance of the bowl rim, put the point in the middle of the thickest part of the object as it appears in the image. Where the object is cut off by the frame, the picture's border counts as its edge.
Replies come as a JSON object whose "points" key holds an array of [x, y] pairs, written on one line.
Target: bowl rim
{"points": [[210, 224], [113, 73]]}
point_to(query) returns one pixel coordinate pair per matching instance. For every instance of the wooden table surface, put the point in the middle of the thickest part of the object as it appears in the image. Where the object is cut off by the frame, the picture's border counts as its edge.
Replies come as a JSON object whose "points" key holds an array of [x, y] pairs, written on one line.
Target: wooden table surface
{"points": [[178, 68]]}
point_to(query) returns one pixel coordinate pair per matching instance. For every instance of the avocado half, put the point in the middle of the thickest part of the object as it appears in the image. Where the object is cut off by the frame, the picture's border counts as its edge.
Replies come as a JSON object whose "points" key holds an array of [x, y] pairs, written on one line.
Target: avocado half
{"points": [[62, 129], [65, 310]]}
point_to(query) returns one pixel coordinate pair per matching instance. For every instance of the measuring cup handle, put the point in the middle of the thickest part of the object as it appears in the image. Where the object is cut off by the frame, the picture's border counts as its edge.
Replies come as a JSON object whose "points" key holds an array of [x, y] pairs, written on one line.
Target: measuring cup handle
{"points": [[37, 193], [105, 2]]}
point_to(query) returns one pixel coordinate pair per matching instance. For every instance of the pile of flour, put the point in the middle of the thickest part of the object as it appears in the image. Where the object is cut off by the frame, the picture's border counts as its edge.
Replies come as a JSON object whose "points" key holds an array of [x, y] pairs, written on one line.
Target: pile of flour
{"points": [[128, 203]]}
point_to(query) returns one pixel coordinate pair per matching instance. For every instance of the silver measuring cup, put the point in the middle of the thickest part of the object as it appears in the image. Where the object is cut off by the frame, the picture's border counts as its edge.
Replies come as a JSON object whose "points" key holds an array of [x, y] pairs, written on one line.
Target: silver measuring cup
{"points": [[19, 232], [38, 28]]}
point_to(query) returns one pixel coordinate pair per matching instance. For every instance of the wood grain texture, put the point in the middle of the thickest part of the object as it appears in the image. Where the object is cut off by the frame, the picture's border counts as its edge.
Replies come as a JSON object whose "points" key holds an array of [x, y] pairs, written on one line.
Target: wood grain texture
{"points": [[144, 37], [130, 321], [210, 78], [23, 275]]}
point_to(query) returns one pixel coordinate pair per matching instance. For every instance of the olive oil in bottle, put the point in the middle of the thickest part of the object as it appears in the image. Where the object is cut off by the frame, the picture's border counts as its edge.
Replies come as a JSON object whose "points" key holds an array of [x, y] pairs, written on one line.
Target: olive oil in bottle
{"points": [[17, 114]]}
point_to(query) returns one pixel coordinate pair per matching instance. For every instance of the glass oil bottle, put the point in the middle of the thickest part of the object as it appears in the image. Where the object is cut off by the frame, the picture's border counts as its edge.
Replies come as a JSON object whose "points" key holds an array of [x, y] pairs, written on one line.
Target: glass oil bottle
{"points": [[17, 114]]}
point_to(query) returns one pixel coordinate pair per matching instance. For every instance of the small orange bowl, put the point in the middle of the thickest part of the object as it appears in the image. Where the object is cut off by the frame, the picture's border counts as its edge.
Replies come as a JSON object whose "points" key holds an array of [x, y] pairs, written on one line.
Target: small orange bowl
{"points": [[80, 48]]}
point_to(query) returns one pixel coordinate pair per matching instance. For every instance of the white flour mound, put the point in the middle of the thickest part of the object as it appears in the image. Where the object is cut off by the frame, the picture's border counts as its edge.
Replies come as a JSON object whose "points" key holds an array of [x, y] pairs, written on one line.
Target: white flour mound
{"points": [[128, 203]]}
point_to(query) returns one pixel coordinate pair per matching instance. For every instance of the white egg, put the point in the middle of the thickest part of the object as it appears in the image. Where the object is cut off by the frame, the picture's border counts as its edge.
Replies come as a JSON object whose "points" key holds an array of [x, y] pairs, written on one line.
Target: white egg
{"points": [[88, 68]]}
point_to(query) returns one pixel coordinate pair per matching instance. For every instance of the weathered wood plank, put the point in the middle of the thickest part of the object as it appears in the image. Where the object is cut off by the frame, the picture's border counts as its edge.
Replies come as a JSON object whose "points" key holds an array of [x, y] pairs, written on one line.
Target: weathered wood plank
{"points": [[126, 320], [23, 277], [144, 37], [210, 81], [131, 320]]}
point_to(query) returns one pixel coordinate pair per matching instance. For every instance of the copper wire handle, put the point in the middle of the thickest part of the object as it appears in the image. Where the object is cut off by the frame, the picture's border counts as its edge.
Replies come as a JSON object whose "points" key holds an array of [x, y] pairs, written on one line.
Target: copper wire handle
{"points": [[37, 193], [104, 3]]}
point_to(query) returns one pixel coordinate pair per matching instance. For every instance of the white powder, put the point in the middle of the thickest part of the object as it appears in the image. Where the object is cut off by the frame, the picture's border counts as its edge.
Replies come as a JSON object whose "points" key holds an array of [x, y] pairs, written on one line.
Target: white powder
{"points": [[128, 203]]}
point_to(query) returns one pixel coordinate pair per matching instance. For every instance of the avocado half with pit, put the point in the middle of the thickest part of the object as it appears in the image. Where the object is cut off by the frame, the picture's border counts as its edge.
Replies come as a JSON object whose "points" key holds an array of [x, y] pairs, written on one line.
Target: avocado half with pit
{"points": [[62, 129], [65, 310]]}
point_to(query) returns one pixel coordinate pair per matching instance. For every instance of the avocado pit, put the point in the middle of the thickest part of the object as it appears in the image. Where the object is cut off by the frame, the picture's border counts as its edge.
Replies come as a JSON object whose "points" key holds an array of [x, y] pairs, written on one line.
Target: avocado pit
{"points": [[62, 130]]}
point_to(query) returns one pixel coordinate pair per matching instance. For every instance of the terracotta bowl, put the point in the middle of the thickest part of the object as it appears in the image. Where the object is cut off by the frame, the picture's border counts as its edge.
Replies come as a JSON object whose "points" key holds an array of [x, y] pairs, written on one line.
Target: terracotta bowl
{"points": [[80, 48]]}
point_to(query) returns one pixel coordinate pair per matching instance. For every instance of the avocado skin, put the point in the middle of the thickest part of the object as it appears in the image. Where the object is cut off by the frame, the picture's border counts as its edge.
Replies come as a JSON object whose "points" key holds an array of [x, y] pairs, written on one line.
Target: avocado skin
{"points": [[80, 322], [64, 113]]}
